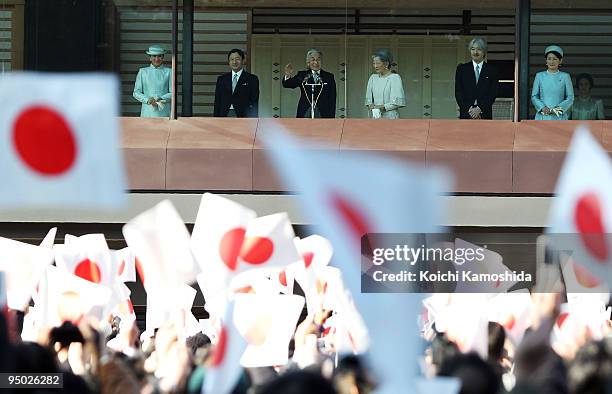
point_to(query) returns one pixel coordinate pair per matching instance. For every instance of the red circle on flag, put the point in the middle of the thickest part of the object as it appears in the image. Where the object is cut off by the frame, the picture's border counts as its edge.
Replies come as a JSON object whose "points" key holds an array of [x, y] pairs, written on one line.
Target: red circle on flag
{"points": [[140, 270], [88, 270], [353, 218], [245, 290], [588, 216], [256, 250], [130, 306], [584, 277], [561, 319], [282, 278], [307, 256], [229, 247], [219, 351], [44, 140], [510, 322]]}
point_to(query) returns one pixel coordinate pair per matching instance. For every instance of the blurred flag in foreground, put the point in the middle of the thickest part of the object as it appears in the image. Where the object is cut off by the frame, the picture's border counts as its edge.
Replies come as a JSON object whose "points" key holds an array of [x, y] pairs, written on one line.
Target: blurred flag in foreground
{"points": [[59, 141], [350, 194], [583, 206]]}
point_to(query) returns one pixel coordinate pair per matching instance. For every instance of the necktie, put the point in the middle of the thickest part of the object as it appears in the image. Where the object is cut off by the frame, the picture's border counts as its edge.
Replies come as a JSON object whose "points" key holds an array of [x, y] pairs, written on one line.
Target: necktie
{"points": [[477, 72], [316, 76], [234, 82]]}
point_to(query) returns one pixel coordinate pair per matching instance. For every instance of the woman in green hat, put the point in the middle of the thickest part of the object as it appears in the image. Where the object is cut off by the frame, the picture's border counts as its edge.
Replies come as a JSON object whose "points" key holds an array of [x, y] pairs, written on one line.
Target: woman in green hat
{"points": [[153, 86]]}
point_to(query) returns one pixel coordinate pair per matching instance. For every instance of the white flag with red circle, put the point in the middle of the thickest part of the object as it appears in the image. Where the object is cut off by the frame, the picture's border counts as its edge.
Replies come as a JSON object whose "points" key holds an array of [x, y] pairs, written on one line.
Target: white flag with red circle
{"points": [[579, 280], [228, 239], [87, 257], [125, 261], [352, 194], [316, 252], [512, 311], [267, 322], [67, 297], [160, 239], [268, 243], [60, 146], [225, 370], [218, 235], [583, 206], [491, 263], [24, 265]]}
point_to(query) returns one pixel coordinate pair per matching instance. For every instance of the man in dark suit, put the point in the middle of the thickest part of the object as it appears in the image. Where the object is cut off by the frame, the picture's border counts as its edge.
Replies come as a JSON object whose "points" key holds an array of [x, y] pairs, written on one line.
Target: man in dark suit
{"points": [[323, 93], [237, 92], [476, 84]]}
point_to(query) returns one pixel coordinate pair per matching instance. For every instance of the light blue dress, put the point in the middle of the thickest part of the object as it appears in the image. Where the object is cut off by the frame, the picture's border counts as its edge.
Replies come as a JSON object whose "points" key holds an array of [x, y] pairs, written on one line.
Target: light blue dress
{"points": [[154, 82], [587, 108], [552, 90]]}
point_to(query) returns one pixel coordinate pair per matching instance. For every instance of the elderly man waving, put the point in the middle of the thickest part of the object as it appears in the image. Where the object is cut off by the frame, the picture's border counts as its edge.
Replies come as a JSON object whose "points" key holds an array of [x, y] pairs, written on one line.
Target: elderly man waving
{"points": [[153, 85]]}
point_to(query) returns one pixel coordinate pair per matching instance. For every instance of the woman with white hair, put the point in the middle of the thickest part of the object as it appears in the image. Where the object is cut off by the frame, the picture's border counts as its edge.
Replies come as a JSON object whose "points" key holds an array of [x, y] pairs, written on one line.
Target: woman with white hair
{"points": [[553, 93], [385, 92]]}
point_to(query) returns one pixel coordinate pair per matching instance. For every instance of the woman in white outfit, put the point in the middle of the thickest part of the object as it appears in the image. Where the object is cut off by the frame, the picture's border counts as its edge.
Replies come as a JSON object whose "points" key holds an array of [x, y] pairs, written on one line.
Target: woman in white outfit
{"points": [[385, 92]]}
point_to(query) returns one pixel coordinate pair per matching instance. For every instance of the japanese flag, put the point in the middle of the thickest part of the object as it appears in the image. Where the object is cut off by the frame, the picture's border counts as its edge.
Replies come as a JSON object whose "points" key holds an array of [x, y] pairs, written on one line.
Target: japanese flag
{"points": [[87, 257], [490, 263], [316, 253], [60, 145], [160, 239], [267, 322], [579, 280], [24, 266], [66, 297], [467, 323], [583, 206], [513, 312], [125, 261], [218, 235], [225, 369], [349, 195], [352, 194], [268, 243]]}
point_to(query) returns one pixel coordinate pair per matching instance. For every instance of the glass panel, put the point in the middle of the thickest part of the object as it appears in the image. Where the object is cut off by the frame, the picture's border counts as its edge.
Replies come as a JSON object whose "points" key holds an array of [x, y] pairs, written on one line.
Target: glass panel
{"points": [[133, 29], [584, 37]]}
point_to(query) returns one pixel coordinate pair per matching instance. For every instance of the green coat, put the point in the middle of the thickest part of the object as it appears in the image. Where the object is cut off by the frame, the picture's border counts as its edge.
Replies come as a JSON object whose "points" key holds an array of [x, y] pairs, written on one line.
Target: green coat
{"points": [[154, 82]]}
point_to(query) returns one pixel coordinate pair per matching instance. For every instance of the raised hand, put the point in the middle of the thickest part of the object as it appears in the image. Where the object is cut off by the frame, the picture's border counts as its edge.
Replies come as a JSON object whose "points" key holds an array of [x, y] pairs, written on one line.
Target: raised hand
{"points": [[288, 69]]}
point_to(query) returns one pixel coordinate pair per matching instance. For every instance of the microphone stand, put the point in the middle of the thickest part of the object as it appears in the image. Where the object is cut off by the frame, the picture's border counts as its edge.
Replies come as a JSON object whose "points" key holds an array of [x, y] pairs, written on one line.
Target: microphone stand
{"points": [[313, 103]]}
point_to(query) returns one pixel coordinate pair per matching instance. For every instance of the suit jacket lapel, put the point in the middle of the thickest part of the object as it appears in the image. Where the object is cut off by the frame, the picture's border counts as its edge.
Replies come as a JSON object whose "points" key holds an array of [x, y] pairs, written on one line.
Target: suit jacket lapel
{"points": [[472, 73], [228, 83]]}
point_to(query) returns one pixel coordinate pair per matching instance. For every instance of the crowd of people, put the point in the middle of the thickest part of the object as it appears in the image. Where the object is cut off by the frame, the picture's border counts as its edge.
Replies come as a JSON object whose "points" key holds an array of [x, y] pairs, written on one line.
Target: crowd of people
{"points": [[517, 342], [476, 87]]}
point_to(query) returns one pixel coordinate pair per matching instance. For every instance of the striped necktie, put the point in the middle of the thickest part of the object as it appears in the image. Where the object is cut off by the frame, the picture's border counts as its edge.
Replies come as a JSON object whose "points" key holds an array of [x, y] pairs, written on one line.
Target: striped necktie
{"points": [[234, 82]]}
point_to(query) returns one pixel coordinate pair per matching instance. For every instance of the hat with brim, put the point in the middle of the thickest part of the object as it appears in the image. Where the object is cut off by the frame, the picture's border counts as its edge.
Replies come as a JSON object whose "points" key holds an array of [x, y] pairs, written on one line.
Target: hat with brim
{"points": [[155, 50], [553, 48]]}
